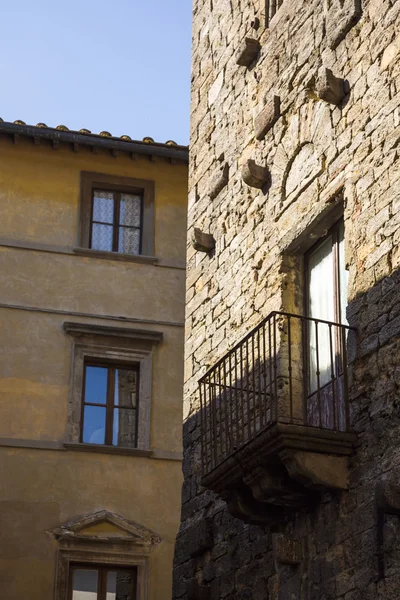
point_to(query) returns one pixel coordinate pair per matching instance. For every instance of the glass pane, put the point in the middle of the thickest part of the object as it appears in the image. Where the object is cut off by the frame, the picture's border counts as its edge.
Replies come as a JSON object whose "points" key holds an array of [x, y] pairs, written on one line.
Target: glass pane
{"points": [[103, 206], [130, 210], [125, 388], [94, 425], [321, 306], [124, 428], [96, 385], [102, 237], [120, 585], [343, 277], [84, 584], [129, 240]]}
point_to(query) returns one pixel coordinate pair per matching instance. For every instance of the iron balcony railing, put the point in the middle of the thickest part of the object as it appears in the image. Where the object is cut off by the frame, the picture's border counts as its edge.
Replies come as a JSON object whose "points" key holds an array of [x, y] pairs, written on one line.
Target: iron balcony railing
{"points": [[289, 369]]}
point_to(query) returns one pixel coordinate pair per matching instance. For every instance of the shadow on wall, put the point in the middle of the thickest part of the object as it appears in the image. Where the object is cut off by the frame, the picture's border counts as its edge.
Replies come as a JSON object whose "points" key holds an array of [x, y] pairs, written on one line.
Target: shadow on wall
{"points": [[349, 535]]}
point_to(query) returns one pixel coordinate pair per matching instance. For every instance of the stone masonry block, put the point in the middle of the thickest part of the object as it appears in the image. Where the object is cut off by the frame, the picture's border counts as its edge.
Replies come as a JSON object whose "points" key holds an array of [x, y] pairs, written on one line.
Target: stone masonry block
{"points": [[248, 52], [343, 15], [266, 119], [330, 88], [255, 175]]}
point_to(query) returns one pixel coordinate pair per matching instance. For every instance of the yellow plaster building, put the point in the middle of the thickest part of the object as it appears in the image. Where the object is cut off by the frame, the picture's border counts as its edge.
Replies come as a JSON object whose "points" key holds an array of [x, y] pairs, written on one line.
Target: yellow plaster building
{"points": [[92, 254]]}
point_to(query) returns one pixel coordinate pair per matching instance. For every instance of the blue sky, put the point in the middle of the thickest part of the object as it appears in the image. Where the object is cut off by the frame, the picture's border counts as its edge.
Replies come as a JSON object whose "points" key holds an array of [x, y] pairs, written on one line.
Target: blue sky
{"points": [[121, 65]]}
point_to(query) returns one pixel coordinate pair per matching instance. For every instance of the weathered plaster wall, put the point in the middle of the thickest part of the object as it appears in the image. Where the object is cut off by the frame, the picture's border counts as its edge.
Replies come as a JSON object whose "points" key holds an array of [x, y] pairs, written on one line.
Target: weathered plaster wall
{"points": [[43, 285], [313, 151]]}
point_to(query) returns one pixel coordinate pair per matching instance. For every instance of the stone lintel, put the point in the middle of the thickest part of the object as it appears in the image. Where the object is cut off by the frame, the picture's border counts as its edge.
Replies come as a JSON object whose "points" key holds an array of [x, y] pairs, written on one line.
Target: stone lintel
{"points": [[287, 551], [317, 471], [218, 181], [267, 117], [330, 88], [203, 242], [341, 19], [255, 175], [248, 52]]}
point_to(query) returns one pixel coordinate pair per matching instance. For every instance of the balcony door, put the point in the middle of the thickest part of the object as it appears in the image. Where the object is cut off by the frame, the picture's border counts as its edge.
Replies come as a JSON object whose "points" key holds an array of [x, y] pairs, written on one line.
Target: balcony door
{"points": [[326, 301]]}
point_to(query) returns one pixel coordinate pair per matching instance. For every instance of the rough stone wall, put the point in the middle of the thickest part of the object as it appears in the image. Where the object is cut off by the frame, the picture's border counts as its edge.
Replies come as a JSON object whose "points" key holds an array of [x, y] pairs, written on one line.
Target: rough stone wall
{"points": [[315, 151]]}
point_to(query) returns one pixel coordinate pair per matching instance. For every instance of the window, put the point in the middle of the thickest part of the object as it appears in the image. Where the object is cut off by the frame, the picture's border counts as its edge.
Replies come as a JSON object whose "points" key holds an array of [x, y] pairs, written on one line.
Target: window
{"points": [[326, 299], [117, 215], [89, 582], [116, 222], [111, 382], [110, 404]]}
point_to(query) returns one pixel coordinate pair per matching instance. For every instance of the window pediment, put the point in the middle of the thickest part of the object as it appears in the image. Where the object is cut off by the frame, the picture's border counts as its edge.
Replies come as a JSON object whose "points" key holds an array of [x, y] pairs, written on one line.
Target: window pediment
{"points": [[105, 526]]}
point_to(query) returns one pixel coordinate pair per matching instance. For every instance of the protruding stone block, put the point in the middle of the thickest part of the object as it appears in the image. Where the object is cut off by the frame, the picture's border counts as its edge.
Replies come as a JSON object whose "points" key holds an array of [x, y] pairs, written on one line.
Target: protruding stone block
{"points": [[330, 88], [317, 471], [266, 119], [255, 175], [343, 15], [287, 551], [248, 52], [204, 242], [219, 180]]}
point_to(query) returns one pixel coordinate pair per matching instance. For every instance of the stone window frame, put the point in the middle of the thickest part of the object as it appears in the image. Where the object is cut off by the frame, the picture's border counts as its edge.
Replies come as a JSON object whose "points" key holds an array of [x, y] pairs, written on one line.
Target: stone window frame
{"points": [[90, 554], [90, 181], [119, 345], [130, 550]]}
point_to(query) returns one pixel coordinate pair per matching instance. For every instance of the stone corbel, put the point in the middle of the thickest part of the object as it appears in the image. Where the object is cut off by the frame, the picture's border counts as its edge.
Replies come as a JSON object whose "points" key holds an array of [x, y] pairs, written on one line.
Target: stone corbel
{"points": [[342, 17], [330, 88], [248, 52], [241, 504], [317, 471], [267, 118], [218, 181], [203, 242], [276, 488], [255, 175]]}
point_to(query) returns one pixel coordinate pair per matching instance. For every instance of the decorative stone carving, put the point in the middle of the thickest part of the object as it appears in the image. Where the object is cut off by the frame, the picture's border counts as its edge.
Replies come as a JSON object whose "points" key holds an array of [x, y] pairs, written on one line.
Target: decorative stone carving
{"points": [[287, 551], [330, 88], [255, 175], [266, 119], [248, 52], [343, 15], [219, 180], [204, 242]]}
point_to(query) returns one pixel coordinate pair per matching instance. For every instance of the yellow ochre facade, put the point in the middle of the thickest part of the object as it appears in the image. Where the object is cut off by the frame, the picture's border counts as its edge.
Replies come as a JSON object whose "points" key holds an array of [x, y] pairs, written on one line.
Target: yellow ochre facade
{"points": [[63, 501]]}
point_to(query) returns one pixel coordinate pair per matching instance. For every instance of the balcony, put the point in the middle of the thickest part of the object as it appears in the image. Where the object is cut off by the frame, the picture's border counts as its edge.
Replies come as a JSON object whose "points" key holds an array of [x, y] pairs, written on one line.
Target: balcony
{"points": [[275, 416]]}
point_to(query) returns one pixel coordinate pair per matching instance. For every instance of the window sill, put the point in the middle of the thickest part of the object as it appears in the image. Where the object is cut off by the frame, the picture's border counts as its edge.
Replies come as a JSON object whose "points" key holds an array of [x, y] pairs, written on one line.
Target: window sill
{"points": [[107, 449], [137, 258]]}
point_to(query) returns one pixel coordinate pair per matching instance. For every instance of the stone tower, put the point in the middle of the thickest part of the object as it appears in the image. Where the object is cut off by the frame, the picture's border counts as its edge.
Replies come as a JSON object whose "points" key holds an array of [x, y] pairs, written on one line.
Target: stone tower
{"points": [[291, 407]]}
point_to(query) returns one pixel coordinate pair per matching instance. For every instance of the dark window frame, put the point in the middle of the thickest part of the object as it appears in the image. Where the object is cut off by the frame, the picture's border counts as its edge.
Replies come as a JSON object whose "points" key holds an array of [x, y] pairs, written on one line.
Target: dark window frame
{"points": [[101, 577], [111, 367], [100, 181]]}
